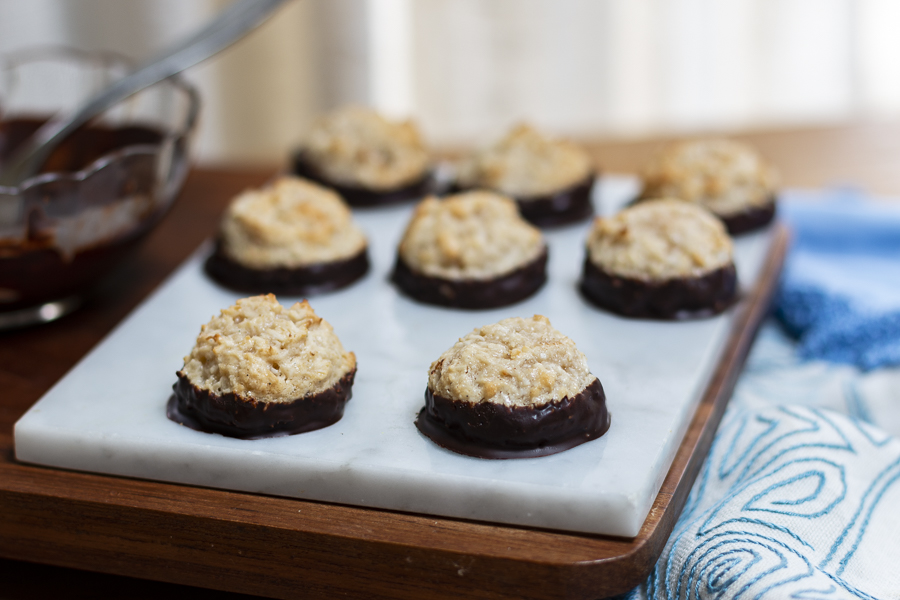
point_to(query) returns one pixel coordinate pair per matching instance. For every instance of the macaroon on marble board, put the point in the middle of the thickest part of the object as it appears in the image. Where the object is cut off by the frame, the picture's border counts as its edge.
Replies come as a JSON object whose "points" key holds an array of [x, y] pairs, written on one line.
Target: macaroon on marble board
{"points": [[108, 415]]}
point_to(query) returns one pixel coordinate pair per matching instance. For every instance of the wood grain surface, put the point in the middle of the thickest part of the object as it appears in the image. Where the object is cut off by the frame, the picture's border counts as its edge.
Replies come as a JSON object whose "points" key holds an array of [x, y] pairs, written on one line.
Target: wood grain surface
{"points": [[99, 533]]}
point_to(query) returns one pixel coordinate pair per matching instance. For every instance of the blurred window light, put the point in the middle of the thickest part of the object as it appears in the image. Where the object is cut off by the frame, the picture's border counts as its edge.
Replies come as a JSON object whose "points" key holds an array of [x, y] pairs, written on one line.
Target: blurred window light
{"points": [[467, 69]]}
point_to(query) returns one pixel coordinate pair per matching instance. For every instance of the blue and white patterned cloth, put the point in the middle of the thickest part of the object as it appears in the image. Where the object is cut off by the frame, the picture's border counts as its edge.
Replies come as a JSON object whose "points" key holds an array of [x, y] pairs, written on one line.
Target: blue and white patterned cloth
{"points": [[841, 289], [800, 495]]}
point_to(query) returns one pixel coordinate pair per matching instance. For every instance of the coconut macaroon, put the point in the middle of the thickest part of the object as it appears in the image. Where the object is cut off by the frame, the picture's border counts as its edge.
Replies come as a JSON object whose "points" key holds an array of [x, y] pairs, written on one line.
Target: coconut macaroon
{"points": [[550, 179], [365, 157], [662, 258], [515, 389], [470, 250], [259, 369], [291, 237], [726, 177]]}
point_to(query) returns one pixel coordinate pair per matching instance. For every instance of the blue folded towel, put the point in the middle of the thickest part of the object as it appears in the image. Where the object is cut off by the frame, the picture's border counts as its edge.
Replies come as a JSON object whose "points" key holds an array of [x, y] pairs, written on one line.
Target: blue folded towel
{"points": [[840, 293]]}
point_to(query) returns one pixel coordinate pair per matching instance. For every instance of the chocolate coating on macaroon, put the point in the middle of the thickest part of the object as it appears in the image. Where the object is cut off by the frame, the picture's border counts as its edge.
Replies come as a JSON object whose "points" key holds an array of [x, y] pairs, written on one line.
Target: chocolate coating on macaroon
{"points": [[243, 417], [259, 369], [472, 293], [569, 205], [470, 250], [290, 237], [298, 281], [495, 431], [663, 259], [751, 218], [728, 178], [514, 389], [550, 179], [360, 196], [368, 159], [670, 299]]}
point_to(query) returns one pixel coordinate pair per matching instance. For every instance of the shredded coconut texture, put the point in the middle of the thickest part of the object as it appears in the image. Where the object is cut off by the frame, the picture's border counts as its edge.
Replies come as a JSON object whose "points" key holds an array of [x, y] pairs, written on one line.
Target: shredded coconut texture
{"points": [[516, 362], [725, 176], [476, 235], [658, 240], [525, 164], [358, 147], [258, 349], [291, 223]]}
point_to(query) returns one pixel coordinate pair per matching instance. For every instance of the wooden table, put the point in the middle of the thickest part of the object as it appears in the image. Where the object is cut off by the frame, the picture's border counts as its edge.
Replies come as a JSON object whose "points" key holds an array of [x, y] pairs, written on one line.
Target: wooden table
{"points": [[91, 507]]}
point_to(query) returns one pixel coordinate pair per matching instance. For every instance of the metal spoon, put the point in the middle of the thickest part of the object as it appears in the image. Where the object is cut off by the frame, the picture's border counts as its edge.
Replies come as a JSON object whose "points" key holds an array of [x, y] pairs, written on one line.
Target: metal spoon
{"points": [[228, 27]]}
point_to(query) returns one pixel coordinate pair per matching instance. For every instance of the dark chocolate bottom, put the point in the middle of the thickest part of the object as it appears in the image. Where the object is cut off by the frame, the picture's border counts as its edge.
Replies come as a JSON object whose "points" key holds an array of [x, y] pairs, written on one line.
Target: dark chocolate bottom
{"points": [[566, 206], [358, 196], [245, 418], [677, 298], [750, 219], [488, 430], [298, 281], [472, 293]]}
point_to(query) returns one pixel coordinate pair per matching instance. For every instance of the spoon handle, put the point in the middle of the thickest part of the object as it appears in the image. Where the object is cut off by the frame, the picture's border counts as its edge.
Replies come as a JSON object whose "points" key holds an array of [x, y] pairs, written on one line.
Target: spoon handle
{"points": [[228, 27]]}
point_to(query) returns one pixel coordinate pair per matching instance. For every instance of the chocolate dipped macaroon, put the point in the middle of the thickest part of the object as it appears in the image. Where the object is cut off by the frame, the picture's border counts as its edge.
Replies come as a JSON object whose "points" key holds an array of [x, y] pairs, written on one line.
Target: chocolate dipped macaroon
{"points": [[470, 250], [550, 179], [259, 370], [728, 178], [661, 259], [515, 389], [366, 158], [291, 237]]}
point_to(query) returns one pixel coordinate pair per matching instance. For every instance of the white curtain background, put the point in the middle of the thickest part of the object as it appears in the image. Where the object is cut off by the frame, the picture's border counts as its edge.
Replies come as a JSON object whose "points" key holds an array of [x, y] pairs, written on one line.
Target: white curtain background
{"points": [[467, 69]]}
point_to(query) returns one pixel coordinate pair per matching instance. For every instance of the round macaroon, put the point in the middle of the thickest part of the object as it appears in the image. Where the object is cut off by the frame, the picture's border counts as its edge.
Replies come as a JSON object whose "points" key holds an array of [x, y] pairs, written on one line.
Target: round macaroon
{"points": [[663, 259], [515, 389], [470, 250], [550, 179], [259, 369], [366, 158], [292, 237], [726, 177]]}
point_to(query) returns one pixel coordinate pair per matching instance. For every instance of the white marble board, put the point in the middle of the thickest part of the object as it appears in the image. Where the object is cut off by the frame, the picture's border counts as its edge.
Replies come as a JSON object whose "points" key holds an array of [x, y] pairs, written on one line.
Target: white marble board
{"points": [[108, 414]]}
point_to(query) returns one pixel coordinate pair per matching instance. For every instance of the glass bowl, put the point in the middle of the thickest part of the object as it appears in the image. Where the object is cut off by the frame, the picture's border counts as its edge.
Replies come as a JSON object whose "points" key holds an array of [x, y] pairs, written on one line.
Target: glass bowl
{"points": [[100, 192]]}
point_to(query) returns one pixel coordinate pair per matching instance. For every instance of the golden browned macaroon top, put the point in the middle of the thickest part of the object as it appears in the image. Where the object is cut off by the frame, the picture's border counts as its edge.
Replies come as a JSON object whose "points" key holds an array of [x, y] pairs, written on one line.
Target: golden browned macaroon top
{"points": [[526, 164], [660, 239], [259, 349], [725, 176], [516, 362], [475, 235], [358, 147], [290, 223]]}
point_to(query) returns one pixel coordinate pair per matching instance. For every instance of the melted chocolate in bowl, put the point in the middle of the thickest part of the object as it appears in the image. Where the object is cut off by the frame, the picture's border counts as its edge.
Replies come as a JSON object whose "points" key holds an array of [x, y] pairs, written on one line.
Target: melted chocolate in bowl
{"points": [[77, 229]]}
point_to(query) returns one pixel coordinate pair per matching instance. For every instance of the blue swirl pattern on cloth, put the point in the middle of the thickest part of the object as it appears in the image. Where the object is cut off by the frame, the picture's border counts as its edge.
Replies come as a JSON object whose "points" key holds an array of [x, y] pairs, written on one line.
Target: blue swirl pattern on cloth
{"points": [[784, 504], [798, 497]]}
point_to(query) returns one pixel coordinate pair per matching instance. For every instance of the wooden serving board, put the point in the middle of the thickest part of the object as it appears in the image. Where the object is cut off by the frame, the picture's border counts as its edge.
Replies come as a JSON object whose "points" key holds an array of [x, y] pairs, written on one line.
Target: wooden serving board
{"points": [[284, 548]]}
